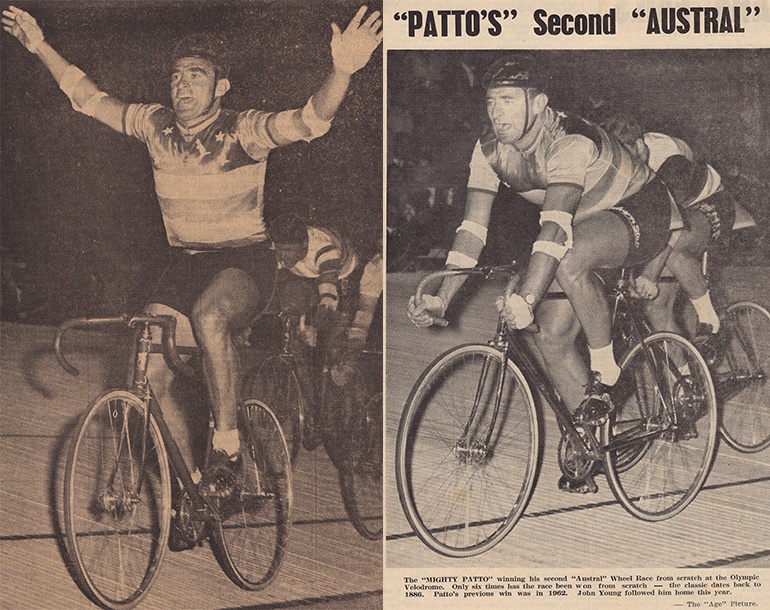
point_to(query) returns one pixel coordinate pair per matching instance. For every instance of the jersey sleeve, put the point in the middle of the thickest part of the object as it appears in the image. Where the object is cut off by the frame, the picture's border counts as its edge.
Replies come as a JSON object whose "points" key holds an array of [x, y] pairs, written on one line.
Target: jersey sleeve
{"points": [[568, 159], [259, 131], [482, 176], [138, 121]]}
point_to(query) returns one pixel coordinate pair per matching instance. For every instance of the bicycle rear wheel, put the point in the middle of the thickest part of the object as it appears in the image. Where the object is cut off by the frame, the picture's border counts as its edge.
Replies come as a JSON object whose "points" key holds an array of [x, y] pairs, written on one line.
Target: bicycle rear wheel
{"points": [[740, 377], [662, 436], [117, 501], [276, 384], [250, 541], [361, 473], [466, 470]]}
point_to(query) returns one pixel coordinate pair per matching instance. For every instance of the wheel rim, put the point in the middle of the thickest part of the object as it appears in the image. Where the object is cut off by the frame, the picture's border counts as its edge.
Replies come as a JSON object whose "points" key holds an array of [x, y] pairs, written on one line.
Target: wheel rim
{"points": [[663, 430], [460, 493], [252, 538], [117, 530], [741, 378], [361, 476], [276, 384]]}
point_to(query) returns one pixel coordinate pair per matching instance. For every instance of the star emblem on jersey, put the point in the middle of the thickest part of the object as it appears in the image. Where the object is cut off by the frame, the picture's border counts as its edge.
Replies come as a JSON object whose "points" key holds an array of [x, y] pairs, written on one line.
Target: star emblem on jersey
{"points": [[201, 148], [168, 131], [220, 137]]}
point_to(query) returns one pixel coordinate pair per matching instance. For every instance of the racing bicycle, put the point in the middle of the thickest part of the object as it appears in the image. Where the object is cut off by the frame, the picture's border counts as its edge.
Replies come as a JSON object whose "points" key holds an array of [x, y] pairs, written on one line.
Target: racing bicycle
{"points": [[124, 465], [469, 444]]}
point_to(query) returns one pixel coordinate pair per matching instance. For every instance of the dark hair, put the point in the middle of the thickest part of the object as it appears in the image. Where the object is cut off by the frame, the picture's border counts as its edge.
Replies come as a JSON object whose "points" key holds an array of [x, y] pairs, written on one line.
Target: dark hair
{"points": [[288, 229], [206, 46], [516, 71], [624, 127]]}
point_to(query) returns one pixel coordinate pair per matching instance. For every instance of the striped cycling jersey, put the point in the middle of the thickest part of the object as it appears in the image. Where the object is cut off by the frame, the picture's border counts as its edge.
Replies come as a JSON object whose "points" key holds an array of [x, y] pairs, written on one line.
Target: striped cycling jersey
{"points": [[329, 259], [701, 181], [210, 180], [568, 150]]}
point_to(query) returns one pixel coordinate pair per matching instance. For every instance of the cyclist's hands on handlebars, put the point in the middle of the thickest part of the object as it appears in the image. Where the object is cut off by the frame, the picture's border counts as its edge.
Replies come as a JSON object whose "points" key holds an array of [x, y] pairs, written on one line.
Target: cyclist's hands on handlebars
{"points": [[516, 312], [24, 27], [427, 311], [644, 288]]}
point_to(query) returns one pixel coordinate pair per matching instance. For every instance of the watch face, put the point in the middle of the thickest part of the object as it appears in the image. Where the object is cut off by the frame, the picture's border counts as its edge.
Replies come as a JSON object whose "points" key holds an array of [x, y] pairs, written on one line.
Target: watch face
{"points": [[530, 298]]}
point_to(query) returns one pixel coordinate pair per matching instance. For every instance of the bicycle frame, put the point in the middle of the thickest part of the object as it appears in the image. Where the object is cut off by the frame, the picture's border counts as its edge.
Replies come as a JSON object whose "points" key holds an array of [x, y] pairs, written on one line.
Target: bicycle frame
{"points": [[514, 350], [140, 387]]}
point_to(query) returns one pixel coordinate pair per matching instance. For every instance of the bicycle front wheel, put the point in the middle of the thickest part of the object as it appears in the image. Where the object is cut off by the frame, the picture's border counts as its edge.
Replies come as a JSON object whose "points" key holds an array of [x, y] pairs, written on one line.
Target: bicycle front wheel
{"points": [[250, 541], [361, 473], [740, 377], [117, 501], [468, 451], [662, 437], [276, 384]]}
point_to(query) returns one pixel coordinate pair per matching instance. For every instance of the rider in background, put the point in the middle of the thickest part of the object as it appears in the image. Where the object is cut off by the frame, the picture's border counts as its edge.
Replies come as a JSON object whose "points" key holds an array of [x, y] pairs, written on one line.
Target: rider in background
{"points": [[318, 263], [708, 213], [600, 208]]}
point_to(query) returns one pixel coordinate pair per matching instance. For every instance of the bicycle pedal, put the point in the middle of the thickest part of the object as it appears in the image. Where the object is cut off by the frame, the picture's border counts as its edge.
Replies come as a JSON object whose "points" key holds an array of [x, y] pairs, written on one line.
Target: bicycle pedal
{"points": [[584, 486]]}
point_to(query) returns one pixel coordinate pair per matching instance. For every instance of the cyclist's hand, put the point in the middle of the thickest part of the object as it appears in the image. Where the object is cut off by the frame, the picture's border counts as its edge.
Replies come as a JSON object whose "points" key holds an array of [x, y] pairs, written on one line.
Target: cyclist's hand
{"points": [[515, 311], [427, 311], [327, 303], [352, 48], [23, 26], [644, 288]]}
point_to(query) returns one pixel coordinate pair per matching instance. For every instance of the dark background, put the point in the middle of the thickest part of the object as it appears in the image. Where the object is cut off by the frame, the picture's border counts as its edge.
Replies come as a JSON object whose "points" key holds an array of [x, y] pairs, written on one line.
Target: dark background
{"points": [[715, 100], [80, 229]]}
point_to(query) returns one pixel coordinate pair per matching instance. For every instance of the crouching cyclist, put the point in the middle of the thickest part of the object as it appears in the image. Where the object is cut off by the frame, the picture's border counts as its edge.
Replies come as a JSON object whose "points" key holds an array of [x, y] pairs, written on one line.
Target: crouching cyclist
{"points": [[601, 207]]}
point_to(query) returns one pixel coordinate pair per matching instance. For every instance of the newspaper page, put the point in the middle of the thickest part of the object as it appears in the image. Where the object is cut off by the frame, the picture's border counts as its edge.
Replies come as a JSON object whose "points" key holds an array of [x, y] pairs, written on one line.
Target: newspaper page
{"points": [[483, 99], [91, 203]]}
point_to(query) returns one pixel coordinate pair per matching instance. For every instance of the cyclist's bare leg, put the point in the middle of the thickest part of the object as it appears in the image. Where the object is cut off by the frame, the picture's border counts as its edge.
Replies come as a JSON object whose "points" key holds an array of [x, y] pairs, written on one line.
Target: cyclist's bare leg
{"points": [[600, 242], [161, 379], [660, 310], [556, 341], [227, 305], [685, 259], [685, 264]]}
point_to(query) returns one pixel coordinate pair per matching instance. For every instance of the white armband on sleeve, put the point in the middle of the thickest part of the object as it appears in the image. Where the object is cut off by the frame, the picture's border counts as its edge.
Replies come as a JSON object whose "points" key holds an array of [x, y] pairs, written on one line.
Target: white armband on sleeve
{"points": [[563, 219], [550, 248], [68, 84], [474, 228], [461, 260], [314, 123]]}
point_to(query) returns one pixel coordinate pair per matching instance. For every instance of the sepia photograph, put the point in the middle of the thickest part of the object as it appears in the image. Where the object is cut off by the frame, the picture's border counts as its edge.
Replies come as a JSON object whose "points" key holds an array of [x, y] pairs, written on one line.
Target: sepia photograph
{"points": [[578, 326], [192, 279]]}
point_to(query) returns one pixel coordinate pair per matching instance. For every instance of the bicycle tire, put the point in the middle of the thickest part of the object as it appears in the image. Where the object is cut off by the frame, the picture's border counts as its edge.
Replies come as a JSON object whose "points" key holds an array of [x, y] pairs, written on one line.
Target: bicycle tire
{"points": [[740, 377], [461, 494], [665, 418], [276, 384], [117, 506], [361, 474], [251, 539]]}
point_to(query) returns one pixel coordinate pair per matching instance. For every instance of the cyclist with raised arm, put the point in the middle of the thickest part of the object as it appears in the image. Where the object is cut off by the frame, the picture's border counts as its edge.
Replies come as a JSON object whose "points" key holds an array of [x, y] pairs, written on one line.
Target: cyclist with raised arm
{"points": [[601, 208], [209, 169]]}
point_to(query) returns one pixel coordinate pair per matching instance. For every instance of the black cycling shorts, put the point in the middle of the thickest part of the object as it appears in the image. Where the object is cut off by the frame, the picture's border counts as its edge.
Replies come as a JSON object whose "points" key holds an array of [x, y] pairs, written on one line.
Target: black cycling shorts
{"points": [[187, 275], [647, 216]]}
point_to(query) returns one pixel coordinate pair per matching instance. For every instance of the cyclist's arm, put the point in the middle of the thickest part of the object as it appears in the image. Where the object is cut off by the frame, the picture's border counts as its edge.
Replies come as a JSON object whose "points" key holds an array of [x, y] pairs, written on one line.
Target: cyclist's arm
{"points": [[350, 50], [329, 267], [560, 198], [468, 243], [84, 95]]}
